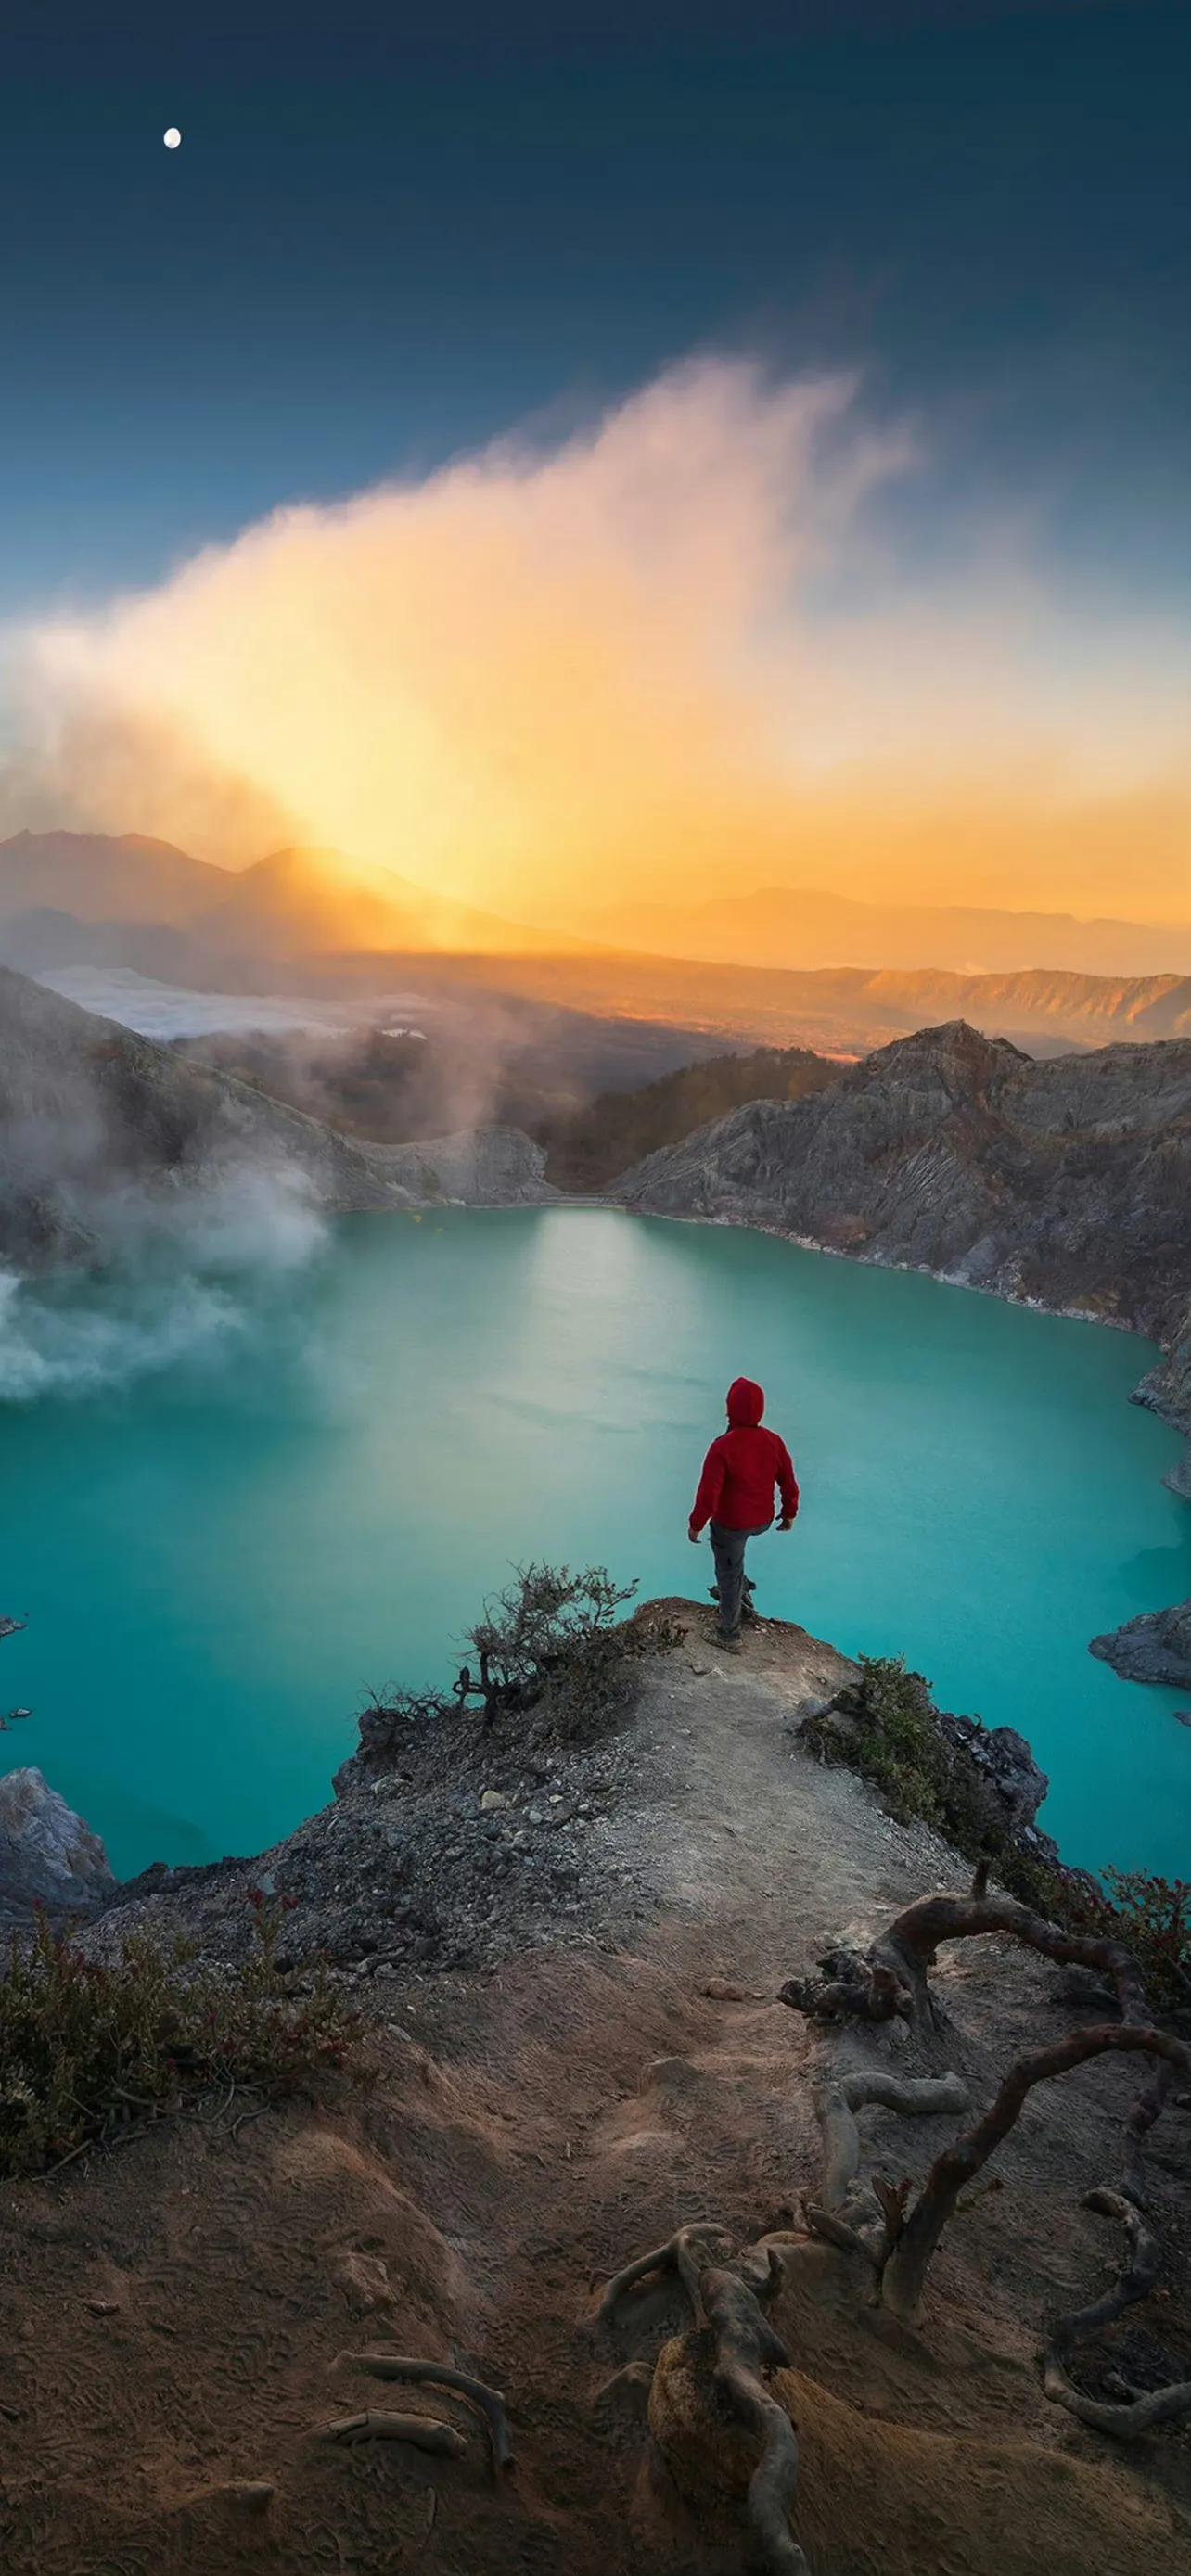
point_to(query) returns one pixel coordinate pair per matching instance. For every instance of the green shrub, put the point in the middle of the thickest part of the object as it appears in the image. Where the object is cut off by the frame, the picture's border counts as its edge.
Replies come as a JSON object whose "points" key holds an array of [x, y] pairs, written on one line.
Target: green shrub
{"points": [[1153, 1915], [896, 1741], [91, 2047]]}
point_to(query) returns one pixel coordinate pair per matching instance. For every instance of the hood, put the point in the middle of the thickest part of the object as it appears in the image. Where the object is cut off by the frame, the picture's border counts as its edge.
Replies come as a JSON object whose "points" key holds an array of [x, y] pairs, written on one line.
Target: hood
{"points": [[746, 1404]]}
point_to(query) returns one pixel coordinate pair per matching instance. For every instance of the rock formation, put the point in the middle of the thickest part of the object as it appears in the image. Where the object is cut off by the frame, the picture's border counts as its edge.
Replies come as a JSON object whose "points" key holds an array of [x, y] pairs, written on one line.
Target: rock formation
{"points": [[48, 1856], [1068, 1182], [1154, 1648]]}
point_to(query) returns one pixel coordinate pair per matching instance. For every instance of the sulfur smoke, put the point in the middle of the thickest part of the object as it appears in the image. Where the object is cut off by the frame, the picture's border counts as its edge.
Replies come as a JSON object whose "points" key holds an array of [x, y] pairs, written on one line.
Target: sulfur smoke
{"points": [[671, 652]]}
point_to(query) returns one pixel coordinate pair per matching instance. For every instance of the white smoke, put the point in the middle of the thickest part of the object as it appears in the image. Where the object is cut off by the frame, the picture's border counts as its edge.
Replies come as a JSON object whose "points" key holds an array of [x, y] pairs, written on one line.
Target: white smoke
{"points": [[191, 1279]]}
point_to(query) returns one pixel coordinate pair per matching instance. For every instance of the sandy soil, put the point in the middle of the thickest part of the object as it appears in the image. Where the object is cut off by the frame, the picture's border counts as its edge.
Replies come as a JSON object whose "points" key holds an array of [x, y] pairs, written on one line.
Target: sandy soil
{"points": [[173, 2315]]}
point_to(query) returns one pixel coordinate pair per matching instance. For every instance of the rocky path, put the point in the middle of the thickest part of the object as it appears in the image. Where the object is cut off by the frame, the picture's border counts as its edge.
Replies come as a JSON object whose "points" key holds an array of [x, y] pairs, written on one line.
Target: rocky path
{"points": [[173, 2317]]}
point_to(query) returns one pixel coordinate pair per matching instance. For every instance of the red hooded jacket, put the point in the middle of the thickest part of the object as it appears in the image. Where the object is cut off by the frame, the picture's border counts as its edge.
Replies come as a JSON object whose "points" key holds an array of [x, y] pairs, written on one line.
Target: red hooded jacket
{"points": [[742, 1467]]}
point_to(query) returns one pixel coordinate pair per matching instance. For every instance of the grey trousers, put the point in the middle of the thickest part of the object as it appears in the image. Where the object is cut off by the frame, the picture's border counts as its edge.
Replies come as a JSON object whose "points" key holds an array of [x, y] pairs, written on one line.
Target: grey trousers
{"points": [[727, 1547]]}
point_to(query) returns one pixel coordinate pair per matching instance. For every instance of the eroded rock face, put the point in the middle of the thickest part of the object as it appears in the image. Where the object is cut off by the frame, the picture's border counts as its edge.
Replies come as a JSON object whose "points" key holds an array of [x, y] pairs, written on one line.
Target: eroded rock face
{"points": [[1067, 1181], [1154, 1648], [1167, 1392], [48, 1856]]}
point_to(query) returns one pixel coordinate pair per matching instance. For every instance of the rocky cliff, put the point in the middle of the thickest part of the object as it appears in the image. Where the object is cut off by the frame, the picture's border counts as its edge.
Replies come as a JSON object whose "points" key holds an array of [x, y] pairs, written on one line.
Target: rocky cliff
{"points": [[187, 2304], [49, 1859], [93, 1116], [1067, 1181]]}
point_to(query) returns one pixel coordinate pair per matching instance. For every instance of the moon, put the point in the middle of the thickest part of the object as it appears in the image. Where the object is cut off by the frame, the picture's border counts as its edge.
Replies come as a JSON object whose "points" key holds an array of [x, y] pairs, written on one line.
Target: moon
{"points": [[172, 137]]}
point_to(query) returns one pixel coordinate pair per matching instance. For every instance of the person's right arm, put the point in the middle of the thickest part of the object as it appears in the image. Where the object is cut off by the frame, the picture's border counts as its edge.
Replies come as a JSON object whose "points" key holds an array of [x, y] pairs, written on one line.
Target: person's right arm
{"points": [[711, 1486]]}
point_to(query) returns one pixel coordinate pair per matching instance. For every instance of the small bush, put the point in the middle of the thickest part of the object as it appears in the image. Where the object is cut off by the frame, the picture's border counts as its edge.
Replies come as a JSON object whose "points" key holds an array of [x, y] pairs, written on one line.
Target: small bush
{"points": [[91, 2047], [557, 1631], [896, 1742], [1153, 1915]]}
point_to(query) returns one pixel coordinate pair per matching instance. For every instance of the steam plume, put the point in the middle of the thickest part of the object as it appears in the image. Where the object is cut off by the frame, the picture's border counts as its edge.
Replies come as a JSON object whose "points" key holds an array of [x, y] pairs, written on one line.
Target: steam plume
{"points": [[668, 655]]}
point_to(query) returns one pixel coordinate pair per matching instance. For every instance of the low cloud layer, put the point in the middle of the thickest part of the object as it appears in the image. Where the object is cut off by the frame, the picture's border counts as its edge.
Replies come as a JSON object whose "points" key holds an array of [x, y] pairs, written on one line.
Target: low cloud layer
{"points": [[668, 655]]}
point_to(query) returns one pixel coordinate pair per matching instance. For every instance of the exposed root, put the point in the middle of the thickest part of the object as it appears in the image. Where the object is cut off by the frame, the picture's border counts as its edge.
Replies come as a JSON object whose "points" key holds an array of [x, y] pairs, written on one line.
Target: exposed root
{"points": [[439, 2374], [915, 1937], [1141, 2119], [891, 1977], [680, 2253], [837, 2231], [746, 2345], [1135, 2281], [905, 2272], [837, 2106], [729, 2299], [423, 2431]]}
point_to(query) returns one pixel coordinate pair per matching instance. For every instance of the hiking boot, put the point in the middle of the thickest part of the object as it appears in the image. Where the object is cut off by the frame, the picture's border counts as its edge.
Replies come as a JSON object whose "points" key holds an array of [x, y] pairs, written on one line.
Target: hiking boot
{"points": [[729, 1640]]}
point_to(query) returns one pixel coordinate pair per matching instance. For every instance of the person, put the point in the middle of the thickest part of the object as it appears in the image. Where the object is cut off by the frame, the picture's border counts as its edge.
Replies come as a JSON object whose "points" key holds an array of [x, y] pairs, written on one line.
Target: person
{"points": [[735, 1497]]}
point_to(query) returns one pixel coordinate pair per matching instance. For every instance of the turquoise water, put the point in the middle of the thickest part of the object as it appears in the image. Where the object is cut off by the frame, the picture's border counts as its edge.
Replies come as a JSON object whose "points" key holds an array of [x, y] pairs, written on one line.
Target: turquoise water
{"points": [[219, 1560]]}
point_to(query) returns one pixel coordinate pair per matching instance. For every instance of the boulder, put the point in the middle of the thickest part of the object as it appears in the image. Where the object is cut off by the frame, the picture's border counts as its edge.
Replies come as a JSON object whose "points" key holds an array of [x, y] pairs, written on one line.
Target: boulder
{"points": [[1005, 1760], [48, 1856], [1154, 1648]]}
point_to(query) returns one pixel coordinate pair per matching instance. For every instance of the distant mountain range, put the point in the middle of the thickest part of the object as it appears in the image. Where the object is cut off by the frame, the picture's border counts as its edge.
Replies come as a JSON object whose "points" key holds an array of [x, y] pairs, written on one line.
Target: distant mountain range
{"points": [[292, 905], [316, 922], [808, 927], [839, 1011]]}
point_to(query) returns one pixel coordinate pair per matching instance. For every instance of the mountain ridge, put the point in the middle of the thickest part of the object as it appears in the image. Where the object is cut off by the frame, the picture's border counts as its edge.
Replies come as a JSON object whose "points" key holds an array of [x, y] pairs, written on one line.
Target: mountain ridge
{"points": [[1068, 1181], [850, 930]]}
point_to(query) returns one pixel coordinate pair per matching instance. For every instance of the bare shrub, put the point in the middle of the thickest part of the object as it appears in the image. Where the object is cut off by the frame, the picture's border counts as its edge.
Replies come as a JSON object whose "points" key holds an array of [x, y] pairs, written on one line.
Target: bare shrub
{"points": [[90, 2048]]}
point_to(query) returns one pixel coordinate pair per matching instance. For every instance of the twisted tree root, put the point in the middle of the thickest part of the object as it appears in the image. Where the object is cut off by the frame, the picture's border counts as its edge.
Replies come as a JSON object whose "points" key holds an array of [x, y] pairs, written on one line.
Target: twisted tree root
{"points": [[1135, 2281], [869, 2218], [837, 2104], [891, 1977], [905, 2272], [439, 2374], [678, 2254], [729, 2300], [746, 2345], [424, 2431]]}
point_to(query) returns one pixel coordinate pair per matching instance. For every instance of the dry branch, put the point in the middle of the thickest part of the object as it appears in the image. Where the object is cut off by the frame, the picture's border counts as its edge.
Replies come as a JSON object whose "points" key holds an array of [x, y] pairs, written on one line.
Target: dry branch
{"points": [[906, 2270], [1134, 2282], [439, 2374], [891, 1976], [915, 1937], [424, 2431], [745, 2346]]}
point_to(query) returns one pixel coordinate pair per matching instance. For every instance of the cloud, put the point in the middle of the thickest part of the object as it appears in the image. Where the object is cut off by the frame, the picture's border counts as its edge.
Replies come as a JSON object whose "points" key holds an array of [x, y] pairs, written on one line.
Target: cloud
{"points": [[675, 652]]}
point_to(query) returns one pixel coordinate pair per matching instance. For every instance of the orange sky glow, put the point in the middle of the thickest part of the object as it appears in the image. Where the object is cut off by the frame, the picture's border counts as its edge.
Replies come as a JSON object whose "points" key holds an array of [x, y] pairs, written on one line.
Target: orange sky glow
{"points": [[667, 656]]}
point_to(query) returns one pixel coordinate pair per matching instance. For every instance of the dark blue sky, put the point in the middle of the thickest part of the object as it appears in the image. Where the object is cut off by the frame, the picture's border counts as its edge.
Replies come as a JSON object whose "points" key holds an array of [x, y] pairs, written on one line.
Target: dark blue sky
{"points": [[389, 234]]}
